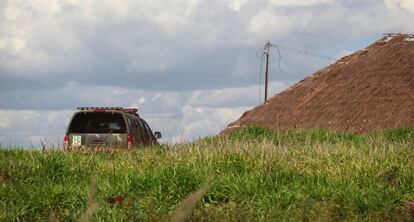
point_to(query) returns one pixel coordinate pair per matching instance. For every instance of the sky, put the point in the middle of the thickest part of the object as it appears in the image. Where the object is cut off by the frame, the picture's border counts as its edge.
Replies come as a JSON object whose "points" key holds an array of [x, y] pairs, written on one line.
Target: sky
{"points": [[190, 66]]}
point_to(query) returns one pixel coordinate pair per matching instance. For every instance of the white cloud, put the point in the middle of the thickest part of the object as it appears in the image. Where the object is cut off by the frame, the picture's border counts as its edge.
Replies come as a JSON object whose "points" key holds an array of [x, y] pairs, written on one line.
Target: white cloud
{"points": [[260, 24], [199, 110], [237, 4], [141, 100], [26, 127], [190, 66], [297, 2], [4, 119], [234, 97], [180, 116], [343, 53], [198, 122], [152, 40], [408, 4], [398, 4], [156, 97]]}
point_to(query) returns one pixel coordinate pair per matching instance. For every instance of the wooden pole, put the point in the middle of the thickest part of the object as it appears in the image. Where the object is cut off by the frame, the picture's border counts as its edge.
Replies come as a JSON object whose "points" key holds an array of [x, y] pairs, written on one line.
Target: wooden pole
{"points": [[267, 52]]}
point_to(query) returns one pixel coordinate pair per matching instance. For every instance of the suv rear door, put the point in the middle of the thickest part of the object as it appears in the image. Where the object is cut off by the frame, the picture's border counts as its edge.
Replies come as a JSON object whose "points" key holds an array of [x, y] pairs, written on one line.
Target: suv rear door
{"points": [[98, 129]]}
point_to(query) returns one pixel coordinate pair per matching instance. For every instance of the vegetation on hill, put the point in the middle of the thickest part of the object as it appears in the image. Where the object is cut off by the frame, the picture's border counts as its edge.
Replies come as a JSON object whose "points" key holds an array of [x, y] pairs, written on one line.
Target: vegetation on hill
{"points": [[253, 174], [363, 92]]}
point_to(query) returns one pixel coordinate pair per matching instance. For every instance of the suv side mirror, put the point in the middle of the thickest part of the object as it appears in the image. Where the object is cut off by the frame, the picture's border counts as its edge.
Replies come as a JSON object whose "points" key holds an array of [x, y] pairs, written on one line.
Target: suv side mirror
{"points": [[157, 135]]}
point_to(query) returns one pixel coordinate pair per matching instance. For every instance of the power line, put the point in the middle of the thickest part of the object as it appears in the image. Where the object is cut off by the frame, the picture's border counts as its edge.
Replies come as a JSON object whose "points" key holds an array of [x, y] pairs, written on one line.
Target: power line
{"points": [[266, 54], [279, 60], [304, 52], [260, 52]]}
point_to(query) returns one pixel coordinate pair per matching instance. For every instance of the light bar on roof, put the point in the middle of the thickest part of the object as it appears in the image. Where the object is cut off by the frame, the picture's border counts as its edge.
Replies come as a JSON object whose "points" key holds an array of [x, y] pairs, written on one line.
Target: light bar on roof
{"points": [[130, 110], [99, 108]]}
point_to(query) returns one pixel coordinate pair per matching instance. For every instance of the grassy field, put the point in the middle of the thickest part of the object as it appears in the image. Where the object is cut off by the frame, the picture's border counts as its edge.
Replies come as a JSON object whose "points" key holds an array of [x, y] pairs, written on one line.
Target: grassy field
{"points": [[253, 175]]}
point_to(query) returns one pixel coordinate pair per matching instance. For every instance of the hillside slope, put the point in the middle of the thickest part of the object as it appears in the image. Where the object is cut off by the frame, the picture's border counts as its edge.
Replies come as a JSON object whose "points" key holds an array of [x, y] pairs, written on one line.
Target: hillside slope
{"points": [[253, 174], [368, 90]]}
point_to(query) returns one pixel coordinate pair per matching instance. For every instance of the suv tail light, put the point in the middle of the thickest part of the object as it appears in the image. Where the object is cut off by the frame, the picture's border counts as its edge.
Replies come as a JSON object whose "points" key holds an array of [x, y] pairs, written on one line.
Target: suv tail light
{"points": [[66, 143], [130, 140]]}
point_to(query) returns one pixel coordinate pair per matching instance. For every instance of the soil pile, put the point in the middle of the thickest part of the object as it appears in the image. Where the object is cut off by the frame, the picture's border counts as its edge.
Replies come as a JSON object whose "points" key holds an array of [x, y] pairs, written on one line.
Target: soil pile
{"points": [[369, 90]]}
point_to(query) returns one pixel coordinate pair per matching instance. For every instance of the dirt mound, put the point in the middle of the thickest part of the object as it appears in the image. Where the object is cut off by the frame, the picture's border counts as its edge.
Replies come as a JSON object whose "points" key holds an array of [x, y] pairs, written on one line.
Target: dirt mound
{"points": [[369, 90]]}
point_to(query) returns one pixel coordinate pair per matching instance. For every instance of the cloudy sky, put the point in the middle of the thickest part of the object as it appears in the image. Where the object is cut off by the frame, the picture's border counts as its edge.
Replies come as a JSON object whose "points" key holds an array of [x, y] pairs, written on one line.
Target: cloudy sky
{"points": [[191, 66]]}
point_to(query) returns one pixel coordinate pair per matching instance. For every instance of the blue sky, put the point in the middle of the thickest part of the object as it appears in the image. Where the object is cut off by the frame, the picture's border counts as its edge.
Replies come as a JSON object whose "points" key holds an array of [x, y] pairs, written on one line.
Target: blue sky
{"points": [[190, 66]]}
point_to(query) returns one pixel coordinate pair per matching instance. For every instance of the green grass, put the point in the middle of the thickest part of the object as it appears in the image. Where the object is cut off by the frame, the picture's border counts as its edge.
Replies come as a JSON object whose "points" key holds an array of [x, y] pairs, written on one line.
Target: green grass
{"points": [[255, 174]]}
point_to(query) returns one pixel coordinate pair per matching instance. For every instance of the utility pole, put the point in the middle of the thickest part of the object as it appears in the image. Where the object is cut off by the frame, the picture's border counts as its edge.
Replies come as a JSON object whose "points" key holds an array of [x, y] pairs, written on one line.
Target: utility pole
{"points": [[267, 53]]}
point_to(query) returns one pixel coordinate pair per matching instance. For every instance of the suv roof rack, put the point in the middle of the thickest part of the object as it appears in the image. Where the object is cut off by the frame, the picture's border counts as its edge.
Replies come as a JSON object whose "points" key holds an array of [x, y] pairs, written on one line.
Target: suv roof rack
{"points": [[101, 109]]}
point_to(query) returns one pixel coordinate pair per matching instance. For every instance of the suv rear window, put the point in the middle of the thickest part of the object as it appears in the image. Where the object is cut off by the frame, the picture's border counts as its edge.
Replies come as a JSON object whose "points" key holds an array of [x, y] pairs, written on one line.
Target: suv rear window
{"points": [[93, 122]]}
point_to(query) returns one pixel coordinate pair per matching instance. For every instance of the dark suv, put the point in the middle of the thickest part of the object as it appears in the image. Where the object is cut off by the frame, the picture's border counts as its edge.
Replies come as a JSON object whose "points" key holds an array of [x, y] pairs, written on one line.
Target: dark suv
{"points": [[108, 127]]}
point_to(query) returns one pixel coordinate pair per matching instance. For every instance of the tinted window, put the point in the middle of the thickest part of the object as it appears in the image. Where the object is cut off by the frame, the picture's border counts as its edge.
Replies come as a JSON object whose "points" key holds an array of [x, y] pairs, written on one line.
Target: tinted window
{"points": [[136, 124], [129, 121], [97, 123], [147, 128], [142, 130]]}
